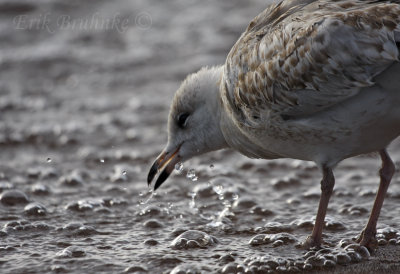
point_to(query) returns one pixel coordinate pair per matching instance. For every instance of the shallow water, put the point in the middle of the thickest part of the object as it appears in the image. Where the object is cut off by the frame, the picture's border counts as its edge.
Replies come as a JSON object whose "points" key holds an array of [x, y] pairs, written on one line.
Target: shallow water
{"points": [[83, 116]]}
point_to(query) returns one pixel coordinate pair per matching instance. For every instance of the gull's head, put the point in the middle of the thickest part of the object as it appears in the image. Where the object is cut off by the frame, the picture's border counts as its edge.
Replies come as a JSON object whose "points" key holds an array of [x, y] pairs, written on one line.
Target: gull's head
{"points": [[193, 123]]}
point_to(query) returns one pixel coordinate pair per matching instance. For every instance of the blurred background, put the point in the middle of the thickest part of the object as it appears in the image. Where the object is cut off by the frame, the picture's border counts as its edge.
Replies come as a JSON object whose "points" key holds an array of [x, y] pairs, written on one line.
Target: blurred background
{"points": [[85, 88], [81, 77]]}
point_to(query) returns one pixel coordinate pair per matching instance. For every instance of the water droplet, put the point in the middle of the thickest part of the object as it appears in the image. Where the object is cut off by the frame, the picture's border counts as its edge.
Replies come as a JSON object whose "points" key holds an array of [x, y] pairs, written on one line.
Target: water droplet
{"points": [[235, 196], [179, 167], [101, 160], [140, 194], [218, 189], [191, 175], [192, 203], [226, 203], [124, 172], [212, 166], [48, 160]]}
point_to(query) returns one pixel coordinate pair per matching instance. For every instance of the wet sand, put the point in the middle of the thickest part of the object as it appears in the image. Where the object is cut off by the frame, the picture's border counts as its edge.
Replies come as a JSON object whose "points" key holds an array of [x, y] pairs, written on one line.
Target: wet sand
{"points": [[85, 88], [385, 260]]}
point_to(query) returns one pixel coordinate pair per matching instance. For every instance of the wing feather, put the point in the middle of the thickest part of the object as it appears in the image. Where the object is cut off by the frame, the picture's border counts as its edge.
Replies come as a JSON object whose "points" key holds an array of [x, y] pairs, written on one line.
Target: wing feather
{"points": [[300, 57]]}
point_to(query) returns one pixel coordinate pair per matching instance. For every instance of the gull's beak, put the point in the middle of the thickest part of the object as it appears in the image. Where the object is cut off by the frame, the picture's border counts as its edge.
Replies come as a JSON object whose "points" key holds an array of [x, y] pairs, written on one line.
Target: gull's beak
{"points": [[167, 160]]}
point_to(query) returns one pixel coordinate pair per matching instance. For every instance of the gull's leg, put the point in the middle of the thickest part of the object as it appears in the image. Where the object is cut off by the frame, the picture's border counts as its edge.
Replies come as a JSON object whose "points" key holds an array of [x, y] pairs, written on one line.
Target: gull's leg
{"points": [[367, 237], [327, 184]]}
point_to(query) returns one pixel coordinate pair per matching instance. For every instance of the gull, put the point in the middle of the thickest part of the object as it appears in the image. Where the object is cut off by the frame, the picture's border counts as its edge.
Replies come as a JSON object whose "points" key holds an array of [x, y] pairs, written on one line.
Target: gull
{"points": [[311, 80]]}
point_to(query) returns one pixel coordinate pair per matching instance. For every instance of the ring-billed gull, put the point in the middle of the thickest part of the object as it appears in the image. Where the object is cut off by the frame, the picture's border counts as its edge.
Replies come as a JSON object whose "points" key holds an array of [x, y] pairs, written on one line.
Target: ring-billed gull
{"points": [[309, 80]]}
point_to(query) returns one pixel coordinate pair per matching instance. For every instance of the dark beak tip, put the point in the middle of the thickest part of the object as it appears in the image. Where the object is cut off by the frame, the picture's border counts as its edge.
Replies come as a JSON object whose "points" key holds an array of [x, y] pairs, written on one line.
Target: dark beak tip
{"points": [[159, 163], [161, 179], [152, 173], [149, 179]]}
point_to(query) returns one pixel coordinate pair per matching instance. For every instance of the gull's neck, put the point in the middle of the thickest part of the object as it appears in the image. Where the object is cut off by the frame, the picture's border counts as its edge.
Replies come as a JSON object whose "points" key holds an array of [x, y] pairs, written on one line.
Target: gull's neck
{"points": [[233, 135], [211, 83]]}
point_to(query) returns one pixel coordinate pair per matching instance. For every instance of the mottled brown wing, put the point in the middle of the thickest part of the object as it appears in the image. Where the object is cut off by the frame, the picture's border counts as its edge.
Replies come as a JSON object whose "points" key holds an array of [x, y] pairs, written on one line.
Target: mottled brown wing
{"points": [[308, 57]]}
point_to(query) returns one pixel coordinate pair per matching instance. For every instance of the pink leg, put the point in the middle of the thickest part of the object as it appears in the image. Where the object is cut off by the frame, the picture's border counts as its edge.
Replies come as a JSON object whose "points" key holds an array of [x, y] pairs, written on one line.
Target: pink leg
{"points": [[367, 237], [327, 184]]}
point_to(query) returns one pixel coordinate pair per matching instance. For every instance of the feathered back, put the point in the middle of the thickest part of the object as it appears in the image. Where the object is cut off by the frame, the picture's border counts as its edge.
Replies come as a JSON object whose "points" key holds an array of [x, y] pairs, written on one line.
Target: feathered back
{"points": [[300, 57]]}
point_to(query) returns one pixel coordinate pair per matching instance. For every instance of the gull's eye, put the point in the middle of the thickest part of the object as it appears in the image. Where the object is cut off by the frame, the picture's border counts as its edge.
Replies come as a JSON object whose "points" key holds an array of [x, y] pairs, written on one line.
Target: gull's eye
{"points": [[182, 119]]}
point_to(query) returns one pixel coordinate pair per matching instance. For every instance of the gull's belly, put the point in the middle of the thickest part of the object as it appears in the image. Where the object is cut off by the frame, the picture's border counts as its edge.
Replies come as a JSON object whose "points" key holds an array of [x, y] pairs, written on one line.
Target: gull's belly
{"points": [[363, 124]]}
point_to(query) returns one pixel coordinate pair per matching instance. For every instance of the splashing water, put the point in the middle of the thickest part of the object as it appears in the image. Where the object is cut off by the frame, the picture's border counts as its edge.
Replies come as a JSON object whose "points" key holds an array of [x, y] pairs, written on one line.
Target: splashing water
{"points": [[168, 208], [179, 167], [191, 175], [217, 222], [218, 189], [144, 202], [227, 204], [192, 203]]}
